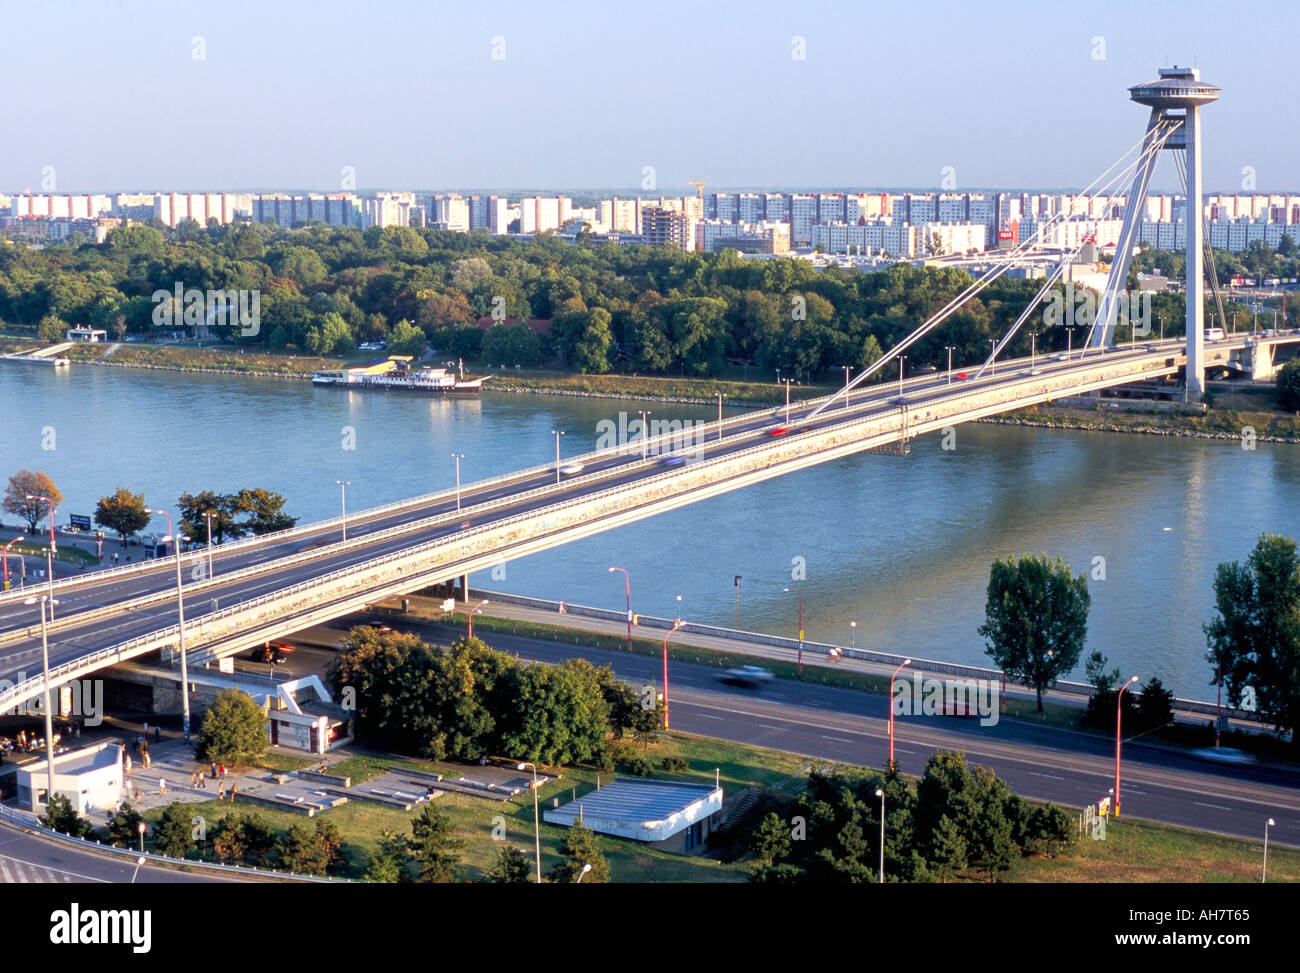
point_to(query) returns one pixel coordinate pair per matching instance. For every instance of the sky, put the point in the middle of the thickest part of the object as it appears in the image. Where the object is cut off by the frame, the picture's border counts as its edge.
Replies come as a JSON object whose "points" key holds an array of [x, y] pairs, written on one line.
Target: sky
{"points": [[120, 95]]}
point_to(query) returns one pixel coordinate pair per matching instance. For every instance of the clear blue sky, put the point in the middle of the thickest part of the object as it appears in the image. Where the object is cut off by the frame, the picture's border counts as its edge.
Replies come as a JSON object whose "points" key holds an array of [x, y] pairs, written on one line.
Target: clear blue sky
{"points": [[1009, 94]]}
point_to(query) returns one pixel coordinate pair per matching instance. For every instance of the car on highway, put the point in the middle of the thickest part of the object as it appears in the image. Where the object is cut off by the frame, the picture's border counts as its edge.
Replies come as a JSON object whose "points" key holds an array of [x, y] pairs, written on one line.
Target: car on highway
{"points": [[673, 461], [1061, 357], [571, 469], [961, 376], [778, 430], [275, 654], [747, 677], [1224, 755]]}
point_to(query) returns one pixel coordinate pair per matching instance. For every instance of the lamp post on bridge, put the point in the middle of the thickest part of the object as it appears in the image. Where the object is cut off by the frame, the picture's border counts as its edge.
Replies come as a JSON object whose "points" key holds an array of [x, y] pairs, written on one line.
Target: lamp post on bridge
{"points": [[1069, 341], [343, 499], [800, 657], [905, 662], [180, 624], [45, 675], [786, 382], [645, 430], [993, 362], [948, 348], [207, 516], [901, 359], [677, 623], [557, 433], [458, 457]]}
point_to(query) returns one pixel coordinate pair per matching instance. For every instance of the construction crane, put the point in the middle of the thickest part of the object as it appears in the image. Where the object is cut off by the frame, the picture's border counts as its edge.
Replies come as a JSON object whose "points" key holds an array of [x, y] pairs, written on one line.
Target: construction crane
{"points": [[699, 187]]}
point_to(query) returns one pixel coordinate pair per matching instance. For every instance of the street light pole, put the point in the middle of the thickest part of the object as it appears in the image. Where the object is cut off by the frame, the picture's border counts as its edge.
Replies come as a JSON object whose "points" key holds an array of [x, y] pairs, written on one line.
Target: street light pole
{"points": [[469, 618], [905, 662], [627, 585], [677, 623], [180, 626], [901, 359], [787, 382], [208, 517], [800, 657], [1119, 712], [948, 348], [5, 558], [720, 398], [1263, 874], [558, 433], [49, 723], [537, 827], [50, 503], [645, 430], [738, 601], [853, 635], [881, 794], [343, 500], [458, 457]]}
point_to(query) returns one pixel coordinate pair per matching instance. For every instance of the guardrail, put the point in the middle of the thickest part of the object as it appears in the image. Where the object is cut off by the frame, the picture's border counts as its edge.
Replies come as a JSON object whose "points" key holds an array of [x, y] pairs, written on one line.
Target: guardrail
{"points": [[27, 820], [824, 648]]}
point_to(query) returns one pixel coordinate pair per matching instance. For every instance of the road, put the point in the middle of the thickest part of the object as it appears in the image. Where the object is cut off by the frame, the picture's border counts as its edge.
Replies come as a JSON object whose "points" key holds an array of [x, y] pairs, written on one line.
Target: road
{"points": [[421, 522], [1067, 767], [25, 857]]}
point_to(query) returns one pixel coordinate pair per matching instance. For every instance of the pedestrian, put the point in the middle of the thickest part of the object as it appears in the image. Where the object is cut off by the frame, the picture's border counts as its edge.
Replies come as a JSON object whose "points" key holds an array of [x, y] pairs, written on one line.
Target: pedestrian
{"points": [[194, 780], [127, 763], [146, 727], [157, 734], [148, 760], [234, 789], [223, 771], [203, 784], [221, 790], [162, 787]]}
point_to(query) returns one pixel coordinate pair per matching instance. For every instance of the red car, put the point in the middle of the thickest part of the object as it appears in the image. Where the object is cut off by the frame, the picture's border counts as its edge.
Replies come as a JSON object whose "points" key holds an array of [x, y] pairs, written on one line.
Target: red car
{"points": [[961, 376], [778, 430]]}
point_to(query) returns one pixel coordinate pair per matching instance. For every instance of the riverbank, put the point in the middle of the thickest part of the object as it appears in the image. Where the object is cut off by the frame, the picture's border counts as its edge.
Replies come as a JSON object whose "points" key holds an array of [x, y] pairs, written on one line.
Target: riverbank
{"points": [[1234, 416]]}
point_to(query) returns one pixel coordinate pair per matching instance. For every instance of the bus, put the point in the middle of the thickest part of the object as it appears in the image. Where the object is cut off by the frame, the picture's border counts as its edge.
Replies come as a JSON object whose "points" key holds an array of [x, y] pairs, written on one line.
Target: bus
{"points": [[1214, 334]]}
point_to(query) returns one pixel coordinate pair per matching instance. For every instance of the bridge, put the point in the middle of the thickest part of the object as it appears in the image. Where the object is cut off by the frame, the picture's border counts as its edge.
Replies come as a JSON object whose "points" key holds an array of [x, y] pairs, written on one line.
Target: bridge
{"points": [[267, 587]]}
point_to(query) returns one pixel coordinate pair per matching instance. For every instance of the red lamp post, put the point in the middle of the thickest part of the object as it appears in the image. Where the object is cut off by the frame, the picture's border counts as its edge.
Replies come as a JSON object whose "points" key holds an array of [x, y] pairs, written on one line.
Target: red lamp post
{"points": [[905, 662], [677, 623], [5, 558], [1119, 712]]}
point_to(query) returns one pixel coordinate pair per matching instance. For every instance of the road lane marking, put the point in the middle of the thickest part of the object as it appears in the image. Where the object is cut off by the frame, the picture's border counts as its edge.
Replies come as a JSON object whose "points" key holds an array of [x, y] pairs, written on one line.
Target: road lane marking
{"points": [[1218, 807], [706, 716], [767, 727], [836, 739]]}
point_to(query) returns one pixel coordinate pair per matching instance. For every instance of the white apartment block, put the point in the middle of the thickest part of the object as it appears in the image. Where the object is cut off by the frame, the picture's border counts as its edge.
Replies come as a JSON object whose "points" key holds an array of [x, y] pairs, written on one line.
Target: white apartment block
{"points": [[953, 237], [751, 208], [830, 207], [50, 206], [776, 207], [453, 210], [883, 236], [803, 217]]}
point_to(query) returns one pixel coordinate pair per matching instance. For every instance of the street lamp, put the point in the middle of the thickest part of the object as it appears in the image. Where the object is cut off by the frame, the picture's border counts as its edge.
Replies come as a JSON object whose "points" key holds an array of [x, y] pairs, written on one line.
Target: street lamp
{"points": [[800, 657], [458, 457], [558, 433], [343, 501], [677, 623], [138, 862], [905, 662], [645, 429], [180, 624], [720, 398], [141, 827], [207, 515], [993, 362], [786, 382], [847, 392], [32, 496], [881, 794], [1119, 711], [853, 635], [537, 828], [901, 359], [1263, 875], [5, 558], [469, 616], [948, 348], [627, 586], [585, 870], [45, 669], [738, 577]]}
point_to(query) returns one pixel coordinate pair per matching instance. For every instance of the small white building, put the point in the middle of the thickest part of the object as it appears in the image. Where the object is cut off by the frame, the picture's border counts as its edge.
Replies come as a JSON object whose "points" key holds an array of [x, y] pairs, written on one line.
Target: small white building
{"points": [[91, 335], [667, 814], [90, 778], [302, 716]]}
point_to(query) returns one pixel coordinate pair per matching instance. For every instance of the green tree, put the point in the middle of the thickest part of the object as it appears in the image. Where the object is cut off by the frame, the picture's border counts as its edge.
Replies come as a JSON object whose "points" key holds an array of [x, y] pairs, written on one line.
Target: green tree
{"points": [[1288, 385], [1155, 705], [174, 835], [123, 512], [947, 852], [229, 840], [330, 335], [265, 511], [1255, 640], [233, 730], [406, 339], [512, 868], [434, 846], [62, 817], [579, 848], [52, 328], [301, 852], [388, 861], [124, 827], [194, 522], [1036, 619], [771, 840], [331, 842], [24, 484]]}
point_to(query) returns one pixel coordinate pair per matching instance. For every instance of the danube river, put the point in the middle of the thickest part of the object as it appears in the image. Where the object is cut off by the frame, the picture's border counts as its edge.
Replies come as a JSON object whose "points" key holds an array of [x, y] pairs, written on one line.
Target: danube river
{"points": [[899, 544]]}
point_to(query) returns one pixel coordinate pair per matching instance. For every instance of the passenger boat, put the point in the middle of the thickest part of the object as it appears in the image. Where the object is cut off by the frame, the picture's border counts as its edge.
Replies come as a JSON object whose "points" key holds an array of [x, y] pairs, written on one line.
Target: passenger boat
{"points": [[396, 372]]}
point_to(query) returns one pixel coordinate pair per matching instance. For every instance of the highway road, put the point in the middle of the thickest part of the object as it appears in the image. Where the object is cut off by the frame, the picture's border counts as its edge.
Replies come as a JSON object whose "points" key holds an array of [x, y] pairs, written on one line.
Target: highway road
{"points": [[1070, 768], [26, 857], [432, 519]]}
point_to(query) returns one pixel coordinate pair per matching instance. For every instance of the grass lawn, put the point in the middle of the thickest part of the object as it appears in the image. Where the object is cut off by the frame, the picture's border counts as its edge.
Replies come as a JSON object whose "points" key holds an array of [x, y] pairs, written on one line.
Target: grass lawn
{"points": [[65, 552]]}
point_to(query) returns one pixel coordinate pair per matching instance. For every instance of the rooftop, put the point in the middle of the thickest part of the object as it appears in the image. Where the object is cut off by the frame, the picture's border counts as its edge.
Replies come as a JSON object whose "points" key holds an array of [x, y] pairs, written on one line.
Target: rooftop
{"points": [[646, 810]]}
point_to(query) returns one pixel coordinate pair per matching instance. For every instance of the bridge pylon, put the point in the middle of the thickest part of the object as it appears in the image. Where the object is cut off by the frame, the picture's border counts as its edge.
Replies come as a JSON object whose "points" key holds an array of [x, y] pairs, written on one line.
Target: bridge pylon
{"points": [[1175, 99]]}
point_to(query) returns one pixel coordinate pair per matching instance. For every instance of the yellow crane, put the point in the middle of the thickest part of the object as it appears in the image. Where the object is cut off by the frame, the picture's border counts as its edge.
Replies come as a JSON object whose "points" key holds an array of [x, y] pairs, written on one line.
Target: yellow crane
{"points": [[699, 187]]}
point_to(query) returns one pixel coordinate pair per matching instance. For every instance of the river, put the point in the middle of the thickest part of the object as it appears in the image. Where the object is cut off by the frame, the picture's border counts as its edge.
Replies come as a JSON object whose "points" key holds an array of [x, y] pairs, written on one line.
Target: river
{"points": [[899, 544]]}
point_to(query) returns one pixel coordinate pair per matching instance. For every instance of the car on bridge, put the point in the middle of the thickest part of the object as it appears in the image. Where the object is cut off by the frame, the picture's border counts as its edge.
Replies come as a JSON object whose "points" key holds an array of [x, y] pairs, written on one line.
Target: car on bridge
{"points": [[275, 654], [746, 677], [779, 430], [673, 461], [571, 469]]}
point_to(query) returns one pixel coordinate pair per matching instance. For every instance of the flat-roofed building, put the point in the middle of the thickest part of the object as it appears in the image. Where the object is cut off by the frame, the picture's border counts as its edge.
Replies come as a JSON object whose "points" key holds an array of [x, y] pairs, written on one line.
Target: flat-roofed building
{"points": [[666, 814]]}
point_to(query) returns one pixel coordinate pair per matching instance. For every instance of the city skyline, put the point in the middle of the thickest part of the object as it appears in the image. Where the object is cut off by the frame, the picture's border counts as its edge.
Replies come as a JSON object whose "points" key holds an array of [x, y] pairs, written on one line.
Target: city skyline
{"points": [[580, 96]]}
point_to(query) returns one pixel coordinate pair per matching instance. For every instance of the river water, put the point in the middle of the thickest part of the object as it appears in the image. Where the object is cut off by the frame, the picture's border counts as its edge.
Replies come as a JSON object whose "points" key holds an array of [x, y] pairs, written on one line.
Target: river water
{"points": [[899, 544]]}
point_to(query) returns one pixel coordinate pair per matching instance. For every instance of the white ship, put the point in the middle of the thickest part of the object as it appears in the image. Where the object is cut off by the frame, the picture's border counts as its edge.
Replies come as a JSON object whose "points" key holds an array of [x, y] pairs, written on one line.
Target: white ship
{"points": [[396, 372]]}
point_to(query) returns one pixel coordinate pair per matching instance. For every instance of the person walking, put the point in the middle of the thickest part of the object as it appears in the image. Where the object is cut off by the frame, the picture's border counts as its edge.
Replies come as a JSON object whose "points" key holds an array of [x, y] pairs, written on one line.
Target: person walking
{"points": [[221, 790], [214, 770], [126, 763], [162, 787], [234, 789]]}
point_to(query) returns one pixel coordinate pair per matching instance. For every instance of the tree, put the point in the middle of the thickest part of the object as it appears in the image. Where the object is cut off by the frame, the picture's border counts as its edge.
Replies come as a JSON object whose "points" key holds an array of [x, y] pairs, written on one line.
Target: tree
{"points": [[301, 852], [174, 836], [124, 826], [62, 817], [771, 840], [123, 512], [229, 840], [1255, 640], [52, 328], [332, 334], [406, 339], [234, 729], [1036, 619], [1155, 705], [194, 524], [331, 842], [512, 867], [388, 861], [434, 847], [947, 849], [1288, 385], [24, 484], [265, 510], [579, 848]]}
